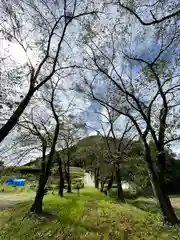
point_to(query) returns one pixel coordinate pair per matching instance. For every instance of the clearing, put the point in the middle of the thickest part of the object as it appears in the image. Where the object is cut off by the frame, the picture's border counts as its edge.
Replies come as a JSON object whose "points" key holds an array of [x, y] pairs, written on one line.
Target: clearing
{"points": [[10, 199]]}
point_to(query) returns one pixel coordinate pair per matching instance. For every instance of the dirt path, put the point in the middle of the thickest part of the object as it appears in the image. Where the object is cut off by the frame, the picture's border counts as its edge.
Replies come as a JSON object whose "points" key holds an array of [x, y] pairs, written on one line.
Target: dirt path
{"points": [[9, 199]]}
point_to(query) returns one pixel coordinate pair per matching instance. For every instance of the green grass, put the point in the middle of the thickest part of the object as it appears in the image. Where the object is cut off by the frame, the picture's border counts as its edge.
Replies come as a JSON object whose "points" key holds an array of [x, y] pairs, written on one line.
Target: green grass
{"points": [[90, 216], [10, 189]]}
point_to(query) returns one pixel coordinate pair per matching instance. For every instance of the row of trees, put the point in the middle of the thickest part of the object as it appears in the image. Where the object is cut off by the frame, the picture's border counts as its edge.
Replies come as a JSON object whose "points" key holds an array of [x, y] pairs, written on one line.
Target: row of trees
{"points": [[111, 40]]}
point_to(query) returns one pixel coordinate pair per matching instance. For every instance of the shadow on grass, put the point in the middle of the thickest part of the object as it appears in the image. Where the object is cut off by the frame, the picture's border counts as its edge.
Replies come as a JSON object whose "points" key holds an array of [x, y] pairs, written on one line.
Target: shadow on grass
{"points": [[147, 206], [175, 196], [153, 207], [40, 216]]}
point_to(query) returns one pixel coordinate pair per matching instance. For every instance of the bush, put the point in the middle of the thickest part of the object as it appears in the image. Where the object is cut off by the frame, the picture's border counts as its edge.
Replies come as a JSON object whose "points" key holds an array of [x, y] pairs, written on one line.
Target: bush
{"points": [[3, 179], [130, 194], [78, 184], [33, 186], [127, 193]]}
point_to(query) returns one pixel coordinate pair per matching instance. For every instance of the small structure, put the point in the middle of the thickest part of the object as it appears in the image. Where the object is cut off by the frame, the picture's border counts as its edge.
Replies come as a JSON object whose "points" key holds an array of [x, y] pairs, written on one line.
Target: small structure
{"points": [[88, 180], [15, 182], [125, 185]]}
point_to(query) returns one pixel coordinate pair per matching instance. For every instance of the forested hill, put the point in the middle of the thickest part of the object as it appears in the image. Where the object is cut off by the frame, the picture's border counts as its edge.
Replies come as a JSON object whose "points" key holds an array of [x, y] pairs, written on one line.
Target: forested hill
{"points": [[88, 148]]}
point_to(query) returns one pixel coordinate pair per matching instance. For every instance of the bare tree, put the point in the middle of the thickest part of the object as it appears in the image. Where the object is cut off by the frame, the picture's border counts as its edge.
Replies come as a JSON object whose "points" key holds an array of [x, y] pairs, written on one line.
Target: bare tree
{"points": [[47, 132], [31, 126], [38, 28], [37, 205], [118, 141], [151, 116], [68, 137]]}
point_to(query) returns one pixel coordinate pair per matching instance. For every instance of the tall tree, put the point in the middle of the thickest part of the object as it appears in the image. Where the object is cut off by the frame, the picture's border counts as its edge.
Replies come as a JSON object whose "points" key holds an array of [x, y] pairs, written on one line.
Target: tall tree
{"points": [[131, 78], [47, 131], [69, 135], [119, 137]]}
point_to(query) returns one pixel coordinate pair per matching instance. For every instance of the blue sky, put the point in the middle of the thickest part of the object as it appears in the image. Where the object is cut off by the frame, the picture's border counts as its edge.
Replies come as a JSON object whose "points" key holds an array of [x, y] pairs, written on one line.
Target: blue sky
{"points": [[146, 46]]}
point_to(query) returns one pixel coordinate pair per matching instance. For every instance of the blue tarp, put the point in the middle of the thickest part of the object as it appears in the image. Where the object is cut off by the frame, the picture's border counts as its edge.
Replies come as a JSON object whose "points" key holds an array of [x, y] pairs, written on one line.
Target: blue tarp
{"points": [[15, 182]]}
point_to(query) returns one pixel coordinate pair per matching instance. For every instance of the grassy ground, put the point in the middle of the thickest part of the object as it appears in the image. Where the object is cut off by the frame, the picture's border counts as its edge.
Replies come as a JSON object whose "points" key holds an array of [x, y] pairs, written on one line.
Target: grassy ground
{"points": [[90, 216]]}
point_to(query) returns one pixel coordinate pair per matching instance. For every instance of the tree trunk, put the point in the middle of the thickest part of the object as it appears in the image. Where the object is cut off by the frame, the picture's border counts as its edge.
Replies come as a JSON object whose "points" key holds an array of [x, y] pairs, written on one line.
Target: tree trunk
{"points": [[38, 202], [78, 192], [37, 205], [120, 194], [97, 183], [9, 125], [110, 182], [167, 210], [96, 177], [68, 177], [61, 176], [61, 186], [102, 185], [152, 183], [69, 190]]}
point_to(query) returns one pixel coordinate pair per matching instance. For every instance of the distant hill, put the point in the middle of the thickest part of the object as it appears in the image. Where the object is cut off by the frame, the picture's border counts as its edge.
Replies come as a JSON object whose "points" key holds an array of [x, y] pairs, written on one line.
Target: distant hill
{"points": [[89, 141], [84, 147]]}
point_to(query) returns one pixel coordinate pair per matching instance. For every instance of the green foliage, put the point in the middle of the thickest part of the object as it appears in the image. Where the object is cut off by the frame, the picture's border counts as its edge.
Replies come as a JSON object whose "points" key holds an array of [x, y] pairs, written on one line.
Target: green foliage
{"points": [[87, 156], [130, 193], [161, 68], [78, 183], [172, 173], [136, 171]]}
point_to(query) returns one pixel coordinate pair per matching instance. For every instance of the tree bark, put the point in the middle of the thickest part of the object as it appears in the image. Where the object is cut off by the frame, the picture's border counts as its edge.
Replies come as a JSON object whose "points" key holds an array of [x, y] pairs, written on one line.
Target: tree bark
{"points": [[96, 177], [38, 202], [120, 194], [158, 181], [110, 182], [61, 176], [68, 178], [61, 186], [9, 125], [102, 185], [37, 205], [69, 190]]}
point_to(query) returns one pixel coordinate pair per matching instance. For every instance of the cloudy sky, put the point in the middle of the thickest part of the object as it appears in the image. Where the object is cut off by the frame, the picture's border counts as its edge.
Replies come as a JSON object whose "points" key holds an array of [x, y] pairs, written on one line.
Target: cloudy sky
{"points": [[146, 46]]}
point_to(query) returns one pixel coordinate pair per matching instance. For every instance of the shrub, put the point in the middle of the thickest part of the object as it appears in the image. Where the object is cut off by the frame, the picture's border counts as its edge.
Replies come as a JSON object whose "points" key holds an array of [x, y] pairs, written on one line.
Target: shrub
{"points": [[78, 184], [130, 194], [127, 193]]}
